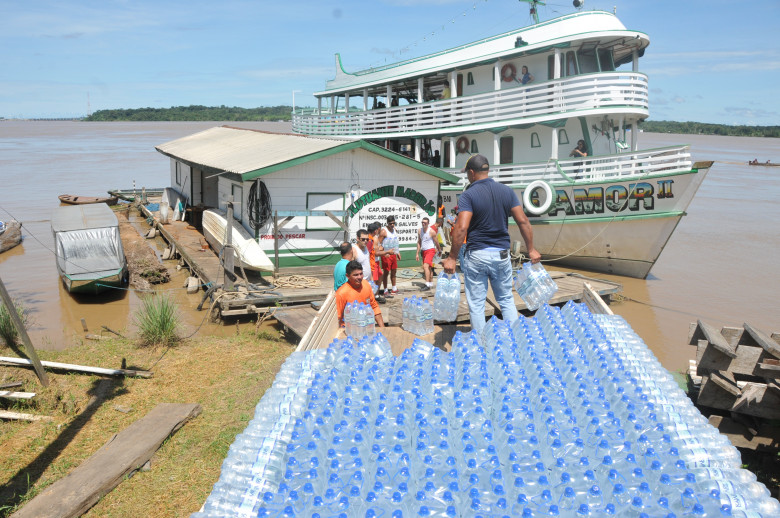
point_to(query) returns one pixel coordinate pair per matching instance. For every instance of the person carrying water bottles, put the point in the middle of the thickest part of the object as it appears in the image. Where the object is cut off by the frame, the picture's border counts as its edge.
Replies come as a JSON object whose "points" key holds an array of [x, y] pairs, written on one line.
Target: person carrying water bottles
{"points": [[356, 289], [484, 210]]}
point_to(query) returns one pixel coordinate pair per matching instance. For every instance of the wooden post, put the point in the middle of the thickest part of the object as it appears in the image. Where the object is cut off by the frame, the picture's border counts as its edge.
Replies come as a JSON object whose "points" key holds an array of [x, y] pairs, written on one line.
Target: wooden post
{"points": [[276, 240], [227, 251], [28, 346]]}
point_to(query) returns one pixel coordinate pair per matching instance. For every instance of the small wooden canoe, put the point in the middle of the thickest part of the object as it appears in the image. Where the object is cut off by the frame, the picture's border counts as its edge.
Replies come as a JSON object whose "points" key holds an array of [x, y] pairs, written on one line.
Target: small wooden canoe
{"points": [[72, 199]]}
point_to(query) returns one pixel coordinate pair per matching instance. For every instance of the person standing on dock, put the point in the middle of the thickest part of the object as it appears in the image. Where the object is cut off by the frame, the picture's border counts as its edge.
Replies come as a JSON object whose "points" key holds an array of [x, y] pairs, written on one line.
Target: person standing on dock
{"points": [[356, 289], [484, 211], [387, 235], [428, 245], [340, 270]]}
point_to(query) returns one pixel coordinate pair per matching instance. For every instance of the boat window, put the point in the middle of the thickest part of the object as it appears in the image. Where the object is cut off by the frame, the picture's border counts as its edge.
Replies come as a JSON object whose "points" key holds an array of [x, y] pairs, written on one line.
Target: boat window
{"points": [[323, 201], [506, 152], [535, 140], [587, 61], [606, 63], [474, 148], [563, 138], [571, 64], [470, 79], [238, 200]]}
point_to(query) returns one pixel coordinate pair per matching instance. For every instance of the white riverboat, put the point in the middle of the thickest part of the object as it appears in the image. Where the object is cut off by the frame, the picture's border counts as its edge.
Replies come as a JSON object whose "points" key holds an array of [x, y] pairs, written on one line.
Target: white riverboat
{"points": [[612, 211]]}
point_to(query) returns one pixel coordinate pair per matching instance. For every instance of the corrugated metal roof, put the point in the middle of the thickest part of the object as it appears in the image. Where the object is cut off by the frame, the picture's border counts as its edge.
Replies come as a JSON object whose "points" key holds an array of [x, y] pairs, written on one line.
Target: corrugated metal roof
{"points": [[237, 150], [252, 153]]}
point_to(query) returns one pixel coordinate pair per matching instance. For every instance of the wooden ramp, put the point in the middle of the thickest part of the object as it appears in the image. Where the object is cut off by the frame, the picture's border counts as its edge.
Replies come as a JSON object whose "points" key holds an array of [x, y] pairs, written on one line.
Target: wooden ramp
{"points": [[571, 286], [125, 453]]}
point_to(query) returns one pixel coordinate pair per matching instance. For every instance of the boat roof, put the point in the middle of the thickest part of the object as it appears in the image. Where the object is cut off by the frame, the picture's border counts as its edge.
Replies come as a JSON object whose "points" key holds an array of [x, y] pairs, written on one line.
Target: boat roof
{"points": [[569, 31], [253, 153], [83, 217]]}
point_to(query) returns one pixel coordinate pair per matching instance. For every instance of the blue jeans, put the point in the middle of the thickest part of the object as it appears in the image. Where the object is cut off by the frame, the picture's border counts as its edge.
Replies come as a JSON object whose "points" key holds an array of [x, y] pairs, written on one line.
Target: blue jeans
{"points": [[478, 267]]}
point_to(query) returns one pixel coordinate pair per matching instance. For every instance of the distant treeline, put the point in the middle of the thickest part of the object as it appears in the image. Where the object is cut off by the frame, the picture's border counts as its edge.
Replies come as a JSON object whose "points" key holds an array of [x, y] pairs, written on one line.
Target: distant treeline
{"points": [[701, 128], [195, 113]]}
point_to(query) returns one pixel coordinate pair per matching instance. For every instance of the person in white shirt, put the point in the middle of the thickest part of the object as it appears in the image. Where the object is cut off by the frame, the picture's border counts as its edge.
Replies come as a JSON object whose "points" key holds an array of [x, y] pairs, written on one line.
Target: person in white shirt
{"points": [[429, 245]]}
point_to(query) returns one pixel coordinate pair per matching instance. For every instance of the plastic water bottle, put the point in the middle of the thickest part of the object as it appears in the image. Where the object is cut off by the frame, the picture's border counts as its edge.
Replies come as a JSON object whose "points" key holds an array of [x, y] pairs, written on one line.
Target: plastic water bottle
{"points": [[447, 297]]}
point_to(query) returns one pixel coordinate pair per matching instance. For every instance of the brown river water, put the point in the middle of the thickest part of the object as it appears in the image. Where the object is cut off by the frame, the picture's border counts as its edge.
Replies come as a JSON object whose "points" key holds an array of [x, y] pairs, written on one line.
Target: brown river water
{"points": [[719, 266]]}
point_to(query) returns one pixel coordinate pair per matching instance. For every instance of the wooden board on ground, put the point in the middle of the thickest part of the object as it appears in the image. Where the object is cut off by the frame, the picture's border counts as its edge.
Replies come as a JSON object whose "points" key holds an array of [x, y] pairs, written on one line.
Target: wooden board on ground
{"points": [[322, 328], [124, 453], [296, 320], [18, 416], [755, 399], [750, 359]]}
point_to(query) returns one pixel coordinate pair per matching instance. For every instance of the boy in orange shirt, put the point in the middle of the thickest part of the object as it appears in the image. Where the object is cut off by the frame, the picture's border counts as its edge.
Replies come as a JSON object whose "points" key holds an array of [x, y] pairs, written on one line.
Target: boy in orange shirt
{"points": [[356, 289]]}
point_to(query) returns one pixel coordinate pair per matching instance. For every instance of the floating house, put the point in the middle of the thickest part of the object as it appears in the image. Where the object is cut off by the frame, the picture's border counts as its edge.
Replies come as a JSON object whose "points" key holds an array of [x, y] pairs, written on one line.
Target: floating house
{"points": [[300, 196], [89, 252]]}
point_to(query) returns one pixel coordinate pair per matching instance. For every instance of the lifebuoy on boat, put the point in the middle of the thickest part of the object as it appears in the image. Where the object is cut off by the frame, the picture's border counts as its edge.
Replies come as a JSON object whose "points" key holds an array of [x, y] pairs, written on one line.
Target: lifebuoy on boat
{"points": [[548, 197], [508, 73], [462, 145]]}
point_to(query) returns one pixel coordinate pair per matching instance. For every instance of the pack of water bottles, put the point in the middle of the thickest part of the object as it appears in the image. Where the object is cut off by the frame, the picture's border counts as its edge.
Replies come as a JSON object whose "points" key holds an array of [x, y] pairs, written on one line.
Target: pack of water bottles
{"points": [[563, 414], [359, 319], [534, 285], [391, 243], [447, 298], [417, 315]]}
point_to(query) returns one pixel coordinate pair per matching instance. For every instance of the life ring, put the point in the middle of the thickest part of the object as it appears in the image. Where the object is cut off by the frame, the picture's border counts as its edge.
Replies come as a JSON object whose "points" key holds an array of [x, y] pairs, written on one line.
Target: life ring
{"points": [[508, 73], [462, 145], [548, 192]]}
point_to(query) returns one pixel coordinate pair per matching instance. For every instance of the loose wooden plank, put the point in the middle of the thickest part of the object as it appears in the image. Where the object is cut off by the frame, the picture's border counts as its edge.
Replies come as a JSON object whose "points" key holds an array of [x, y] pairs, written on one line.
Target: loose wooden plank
{"points": [[319, 325], [726, 381], [10, 385], [18, 416], [124, 453], [763, 340], [593, 300], [716, 339], [713, 395], [16, 395], [78, 368]]}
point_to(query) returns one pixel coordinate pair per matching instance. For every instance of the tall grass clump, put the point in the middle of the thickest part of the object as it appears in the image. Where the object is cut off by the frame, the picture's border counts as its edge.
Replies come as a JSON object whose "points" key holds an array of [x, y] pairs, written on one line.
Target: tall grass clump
{"points": [[158, 320], [8, 333]]}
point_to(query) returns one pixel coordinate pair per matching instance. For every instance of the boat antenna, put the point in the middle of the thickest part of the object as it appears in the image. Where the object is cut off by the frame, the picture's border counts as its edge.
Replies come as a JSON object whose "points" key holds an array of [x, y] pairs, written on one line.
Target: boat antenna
{"points": [[534, 10]]}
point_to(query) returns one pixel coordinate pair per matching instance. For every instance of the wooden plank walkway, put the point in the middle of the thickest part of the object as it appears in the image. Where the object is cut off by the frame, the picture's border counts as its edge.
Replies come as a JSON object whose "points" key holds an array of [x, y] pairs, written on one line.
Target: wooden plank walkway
{"points": [[571, 286], [124, 453]]}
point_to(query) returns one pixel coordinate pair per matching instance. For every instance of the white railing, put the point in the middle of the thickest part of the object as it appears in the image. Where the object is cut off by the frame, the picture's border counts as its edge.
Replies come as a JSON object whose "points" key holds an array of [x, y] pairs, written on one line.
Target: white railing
{"points": [[624, 166], [547, 100]]}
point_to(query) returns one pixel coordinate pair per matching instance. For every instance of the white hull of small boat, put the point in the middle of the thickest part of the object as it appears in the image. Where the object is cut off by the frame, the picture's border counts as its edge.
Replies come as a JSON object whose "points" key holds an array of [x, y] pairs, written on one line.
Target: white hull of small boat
{"points": [[247, 252]]}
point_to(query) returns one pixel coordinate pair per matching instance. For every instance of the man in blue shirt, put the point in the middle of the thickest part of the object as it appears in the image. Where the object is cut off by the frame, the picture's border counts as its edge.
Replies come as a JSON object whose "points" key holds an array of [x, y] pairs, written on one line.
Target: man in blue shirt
{"points": [[340, 270], [483, 214]]}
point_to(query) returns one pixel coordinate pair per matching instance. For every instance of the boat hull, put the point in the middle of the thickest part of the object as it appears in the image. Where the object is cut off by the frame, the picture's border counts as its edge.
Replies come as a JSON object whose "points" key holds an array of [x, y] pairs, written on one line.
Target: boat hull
{"points": [[11, 235], [247, 252], [72, 199], [97, 283], [617, 227]]}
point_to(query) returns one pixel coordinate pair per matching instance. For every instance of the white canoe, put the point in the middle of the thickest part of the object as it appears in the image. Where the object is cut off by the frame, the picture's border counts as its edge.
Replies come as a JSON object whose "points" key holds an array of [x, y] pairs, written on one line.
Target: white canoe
{"points": [[247, 252]]}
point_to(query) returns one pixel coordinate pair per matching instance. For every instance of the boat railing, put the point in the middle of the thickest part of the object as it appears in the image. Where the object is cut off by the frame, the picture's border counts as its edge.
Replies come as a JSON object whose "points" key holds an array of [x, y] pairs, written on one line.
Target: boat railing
{"points": [[632, 165], [523, 104]]}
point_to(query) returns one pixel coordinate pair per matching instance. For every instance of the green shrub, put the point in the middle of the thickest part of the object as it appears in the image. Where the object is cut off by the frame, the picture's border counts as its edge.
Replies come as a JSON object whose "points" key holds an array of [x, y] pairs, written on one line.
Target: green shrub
{"points": [[8, 332], [157, 320]]}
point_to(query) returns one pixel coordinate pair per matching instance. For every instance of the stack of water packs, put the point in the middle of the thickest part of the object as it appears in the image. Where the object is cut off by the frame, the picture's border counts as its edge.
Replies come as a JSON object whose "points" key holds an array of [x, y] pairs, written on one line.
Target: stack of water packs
{"points": [[564, 414]]}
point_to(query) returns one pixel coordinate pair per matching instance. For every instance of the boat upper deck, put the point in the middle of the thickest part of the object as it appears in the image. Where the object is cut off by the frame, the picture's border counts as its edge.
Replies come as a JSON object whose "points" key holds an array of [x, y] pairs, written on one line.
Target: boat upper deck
{"points": [[570, 30]]}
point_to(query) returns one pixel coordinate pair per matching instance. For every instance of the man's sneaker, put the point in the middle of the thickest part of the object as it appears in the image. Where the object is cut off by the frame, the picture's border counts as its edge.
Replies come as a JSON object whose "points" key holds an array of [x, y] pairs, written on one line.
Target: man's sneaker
{"points": [[395, 291], [380, 299], [389, 294], [425, 288]]}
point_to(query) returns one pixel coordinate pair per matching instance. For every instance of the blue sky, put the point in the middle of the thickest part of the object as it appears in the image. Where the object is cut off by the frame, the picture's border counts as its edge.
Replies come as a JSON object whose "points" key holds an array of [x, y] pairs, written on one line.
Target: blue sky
{"points": [[708, 61]]}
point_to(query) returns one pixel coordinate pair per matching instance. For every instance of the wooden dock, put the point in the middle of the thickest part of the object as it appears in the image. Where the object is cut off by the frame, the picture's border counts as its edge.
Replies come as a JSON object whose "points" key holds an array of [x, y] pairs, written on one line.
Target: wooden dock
{"points": [[570, 287]]}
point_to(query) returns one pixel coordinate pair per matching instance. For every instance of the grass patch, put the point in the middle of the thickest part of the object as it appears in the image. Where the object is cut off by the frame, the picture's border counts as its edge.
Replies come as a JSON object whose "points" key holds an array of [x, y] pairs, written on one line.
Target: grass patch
{"points": [[8, 332], [227, 376], [157, 320]]}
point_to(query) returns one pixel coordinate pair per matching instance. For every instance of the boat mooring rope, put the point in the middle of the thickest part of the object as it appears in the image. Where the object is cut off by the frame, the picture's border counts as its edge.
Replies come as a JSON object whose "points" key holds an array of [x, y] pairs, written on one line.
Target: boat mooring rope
{"points": [[297, 281]]}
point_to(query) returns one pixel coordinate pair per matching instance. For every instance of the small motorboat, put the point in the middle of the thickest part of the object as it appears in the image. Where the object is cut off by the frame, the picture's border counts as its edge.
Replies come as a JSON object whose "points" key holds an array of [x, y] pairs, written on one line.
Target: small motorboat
{"points": [[246, 251], [72, 199], [10, 235]]}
